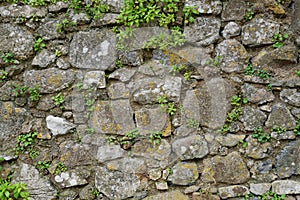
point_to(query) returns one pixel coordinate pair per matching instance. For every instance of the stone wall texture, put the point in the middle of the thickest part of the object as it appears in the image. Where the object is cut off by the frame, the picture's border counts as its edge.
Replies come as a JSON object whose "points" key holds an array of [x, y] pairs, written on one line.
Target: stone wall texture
{"points": [[132, 124]]}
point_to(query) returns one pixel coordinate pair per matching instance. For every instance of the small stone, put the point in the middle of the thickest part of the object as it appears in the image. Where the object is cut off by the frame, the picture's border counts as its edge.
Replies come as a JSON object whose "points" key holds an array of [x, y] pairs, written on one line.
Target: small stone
{"points": [[122, 74], [172, 195], [161, 185], [233, 191], [58, 6], [106, 19], [43, 59], [70, 179], [58, 126], [94, 79], [257, 150], [154, 174], [109, 152], [229, 140], [257, 95], [287, 135], [191, 189], [233, 10], [231, 29], [184, 174], [286, 187], [252, 118], [206, 7], [280, 117], [259, 188], [62, 64], [290, 96]]}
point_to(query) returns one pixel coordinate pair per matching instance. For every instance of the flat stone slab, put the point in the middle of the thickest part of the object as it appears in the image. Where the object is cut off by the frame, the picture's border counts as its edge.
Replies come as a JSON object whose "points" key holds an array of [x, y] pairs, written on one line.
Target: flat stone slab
{"points": [[206, 6], [93, 50], [286, 187], [280, 116], [233, 191], [184, 173], [58, 126], [168, 196]]}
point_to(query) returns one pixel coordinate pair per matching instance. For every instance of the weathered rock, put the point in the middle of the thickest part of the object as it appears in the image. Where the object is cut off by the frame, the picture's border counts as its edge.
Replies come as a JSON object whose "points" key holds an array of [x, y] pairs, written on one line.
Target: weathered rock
{"points": [[161, 185], [114, 5], [109, 152], [184, 173], [132, 58], [58, 6], [154, 119], [234, 10], [38, 187], [191, 189], [58, 126], [252, 118], [260, 188], [43, 59], [233, 191], [193, 146], [26, 11], [296, 17], [94, 79], [255, 33], [290, 96], [16, 40], [48, 31], [229, 140], [287, 160], [118, 91], [286, 187], [69, 179], [45, 103], [257, 95], [191, 108], [62, 63], [115, 117], [287, 135], [116, 184], [261, 171], [229, 169], [90, 50], [154, 68], [87, 193], [206, 7], [204, 31], [154, 174], [127, 165], [49, 80], [280, 117], [122, 74], [257, 150], [107, 19], [233, 54], [168, 196], [231, 29]]}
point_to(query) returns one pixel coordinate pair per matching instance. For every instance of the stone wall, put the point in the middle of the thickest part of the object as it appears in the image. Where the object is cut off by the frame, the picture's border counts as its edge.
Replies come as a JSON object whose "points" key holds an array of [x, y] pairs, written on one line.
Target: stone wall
{"points": [[136, 124]]}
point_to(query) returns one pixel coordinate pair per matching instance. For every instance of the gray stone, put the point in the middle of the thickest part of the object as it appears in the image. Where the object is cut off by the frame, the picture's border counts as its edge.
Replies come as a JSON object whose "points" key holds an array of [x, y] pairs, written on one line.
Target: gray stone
{"points": [[69, 179], [290, 96], [161, 185], [233, 54], [231, 29], [234, 10], [149, 120], [204, 31], [206, 7], [225, 169], [229, 140], [287, 160], [257, 150], [68, 194], [154, 174], [132, 58], [58, 6], [43, 59], [191, 189], [146, 90], [94, 79], [296, 17], [252, 118], [115, 117], [58, 126], [114, 5], [45, 103], [26, 11], [287, 135], [79, 18], [109, 152], [90, 50], [261, 171], [286, 187], [176, 194], [16, 40], [62, 63], [116, 184], [49, 80], [153, 68], [233, 191], [260, 188], [6, 91], [47, 30], [118, 91], [184, 173], [255, 33], [87, 193], [39, 188], [193, 146], [106, 19], [257, 95], [122, 74], [127, 165], [192, 110], [280, 117]]}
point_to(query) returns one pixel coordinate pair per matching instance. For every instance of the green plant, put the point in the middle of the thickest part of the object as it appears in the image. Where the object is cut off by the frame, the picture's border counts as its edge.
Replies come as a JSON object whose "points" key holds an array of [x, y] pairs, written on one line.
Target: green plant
{"points": [[34, 94], [262, 73], [9, 191], [187, 75], [90, 130], [171, 108], [43, 165], [269, 87], [297, 127], [243, 143], [3, 75], [60, 167], [278, 130], [162, 100], [249, 14], [155, 137], [119, 64], [33, 153], [278, 39], [298, 73], [96, 9], [191, 123], [96, 192], [266, 196], [59, 100], [188, 12], [19, 90], [25, 142], [216, 61], [130, 137], [64, 24], [261, 136], [57, 53], [38, 44], [8, 58]]}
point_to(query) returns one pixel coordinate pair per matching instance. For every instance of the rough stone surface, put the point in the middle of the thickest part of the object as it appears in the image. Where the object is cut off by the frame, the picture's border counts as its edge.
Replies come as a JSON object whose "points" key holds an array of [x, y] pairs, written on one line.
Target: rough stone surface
{"points": [[122, 74], [231, 29], [257, 95], [168, 196], [48, 80], [233, 54], [184, 174], [16, 40], [228, 169], [233, 191], [280, 117], [47, 30], [116, 184], [233, 10], [253, 118], [58, 126], [290, 96], [259, 32], [204, 31], [193, 146], [94, 79], [90, 50], [127, 165], [207, 6], [69, 179], [286, 187], [229, 140], [43, 59], [109, 152], [257, 150], [26, 11], [118, 91], [260, 188]]}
